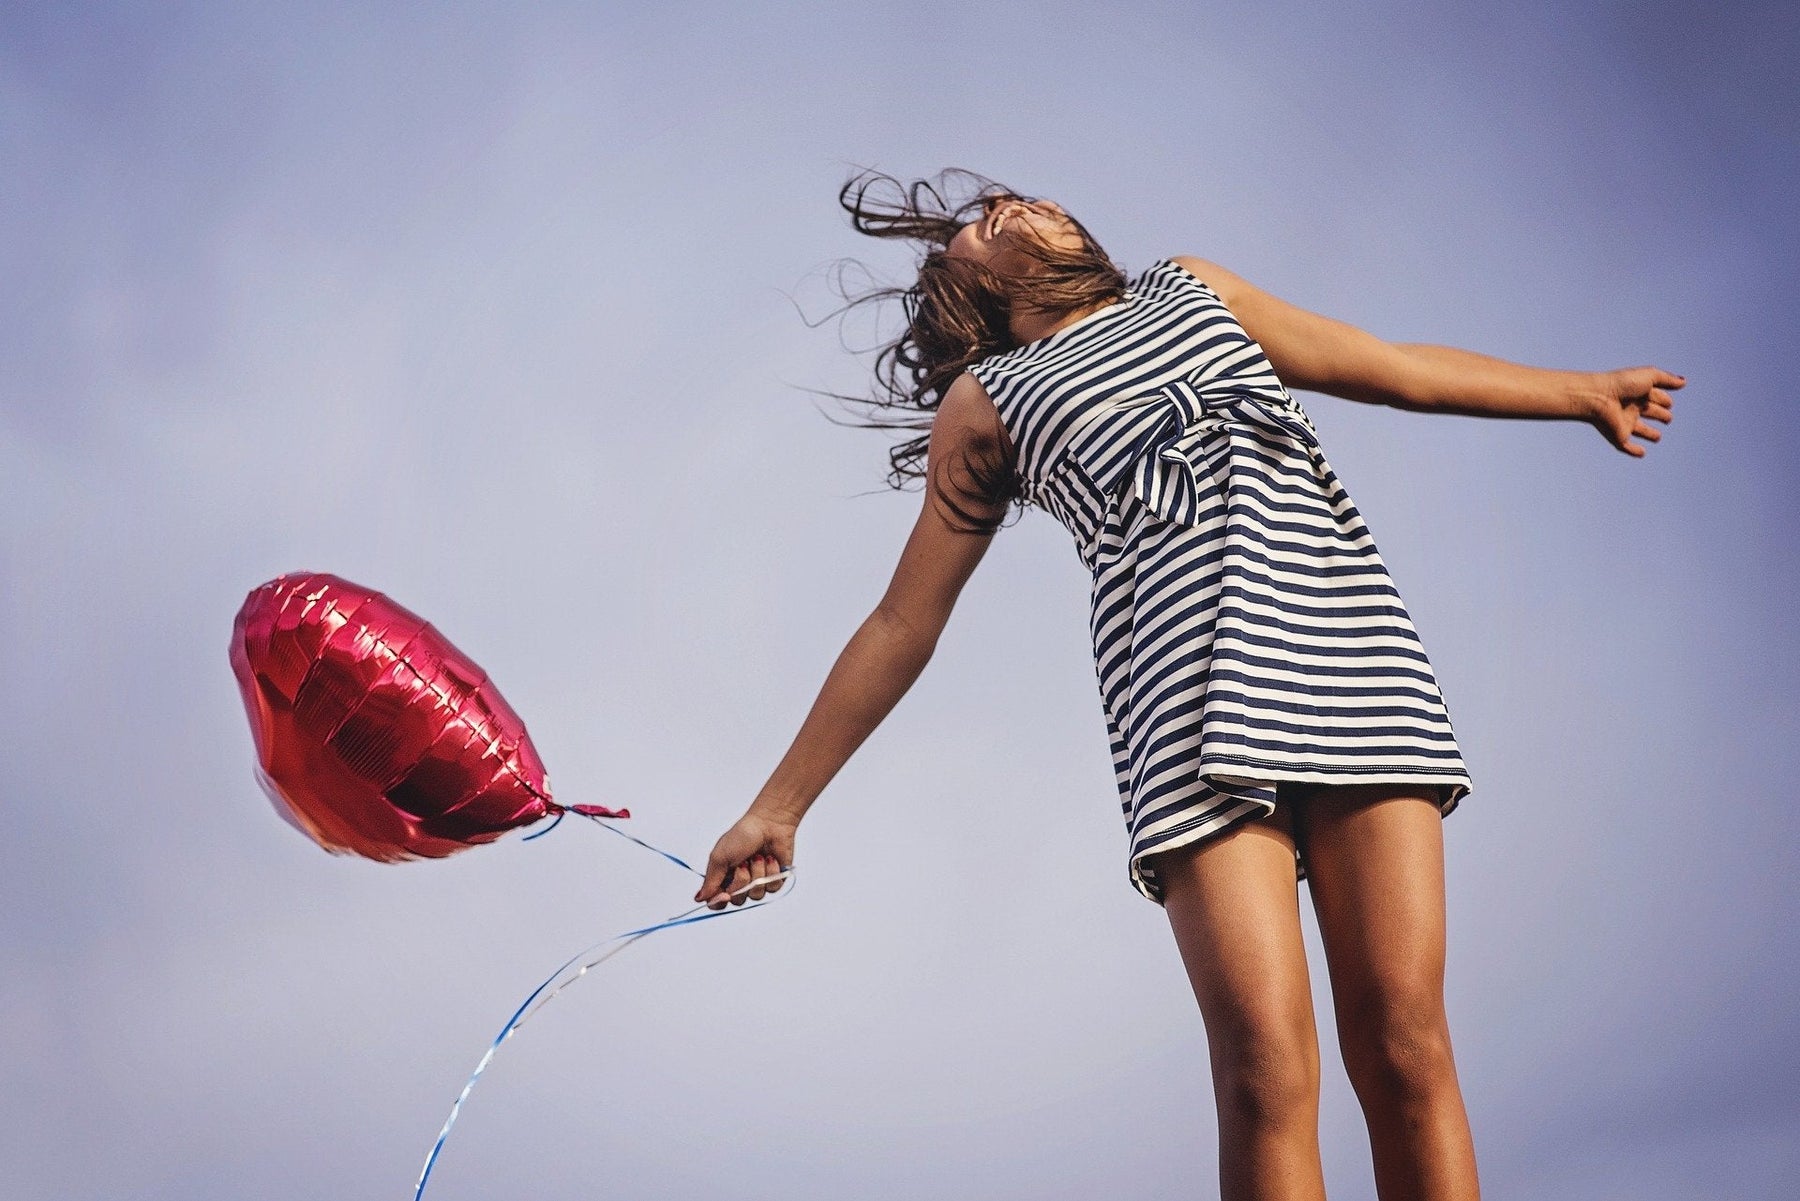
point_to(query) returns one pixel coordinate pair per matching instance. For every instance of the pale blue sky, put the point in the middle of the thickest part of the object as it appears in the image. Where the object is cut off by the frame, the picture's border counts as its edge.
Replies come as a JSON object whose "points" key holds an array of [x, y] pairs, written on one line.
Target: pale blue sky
{"points": [[495, 311]]}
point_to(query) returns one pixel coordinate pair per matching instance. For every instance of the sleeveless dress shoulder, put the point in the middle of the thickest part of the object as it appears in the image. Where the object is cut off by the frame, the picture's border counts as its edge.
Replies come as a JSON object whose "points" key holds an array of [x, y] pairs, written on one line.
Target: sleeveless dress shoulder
{"points": [[1245, 629]]}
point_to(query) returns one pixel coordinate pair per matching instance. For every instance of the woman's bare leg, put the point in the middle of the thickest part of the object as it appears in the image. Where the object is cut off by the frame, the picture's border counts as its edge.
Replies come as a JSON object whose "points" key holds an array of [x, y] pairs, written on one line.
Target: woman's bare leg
{"points": [[1375, 864], [1235, 910]]}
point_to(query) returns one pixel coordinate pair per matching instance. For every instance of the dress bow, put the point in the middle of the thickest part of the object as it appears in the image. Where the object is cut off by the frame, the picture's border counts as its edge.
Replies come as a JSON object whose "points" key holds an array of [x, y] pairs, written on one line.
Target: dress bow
{"points": [[1158, 443]]}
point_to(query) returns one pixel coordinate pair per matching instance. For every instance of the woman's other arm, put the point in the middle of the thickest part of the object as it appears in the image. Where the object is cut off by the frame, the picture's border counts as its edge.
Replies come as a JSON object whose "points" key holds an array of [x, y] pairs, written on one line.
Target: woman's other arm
{"points": [[1320, 354], [883, 657]]}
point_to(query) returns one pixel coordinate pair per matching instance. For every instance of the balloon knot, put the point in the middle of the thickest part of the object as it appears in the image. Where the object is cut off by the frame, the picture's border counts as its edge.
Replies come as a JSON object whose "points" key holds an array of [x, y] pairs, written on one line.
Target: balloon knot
{"points": [[598, 811]]}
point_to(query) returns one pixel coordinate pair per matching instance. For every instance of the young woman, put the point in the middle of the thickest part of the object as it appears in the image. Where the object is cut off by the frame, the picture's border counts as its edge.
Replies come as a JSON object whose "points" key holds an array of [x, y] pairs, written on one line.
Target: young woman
{"points": [[1272, 713]]}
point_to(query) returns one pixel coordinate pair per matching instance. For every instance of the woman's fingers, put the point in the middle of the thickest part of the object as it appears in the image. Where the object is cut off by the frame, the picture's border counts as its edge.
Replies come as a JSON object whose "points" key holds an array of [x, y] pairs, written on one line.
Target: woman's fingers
{"points": [[784, 850], [715, 877], [1642, 396], [735, 886], [715, 886], [718, 895], [740, 876], [1655, 377], [748, 879]]}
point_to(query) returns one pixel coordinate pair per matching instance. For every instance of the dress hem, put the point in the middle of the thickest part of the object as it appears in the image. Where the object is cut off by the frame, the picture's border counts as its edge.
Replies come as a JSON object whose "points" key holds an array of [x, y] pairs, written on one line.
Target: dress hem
{"points": [[1212, 825]]}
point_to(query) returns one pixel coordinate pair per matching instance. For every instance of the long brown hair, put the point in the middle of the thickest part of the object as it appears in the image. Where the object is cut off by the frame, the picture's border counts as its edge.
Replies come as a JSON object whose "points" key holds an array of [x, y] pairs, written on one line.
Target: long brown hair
{"points": [[957, 313]]}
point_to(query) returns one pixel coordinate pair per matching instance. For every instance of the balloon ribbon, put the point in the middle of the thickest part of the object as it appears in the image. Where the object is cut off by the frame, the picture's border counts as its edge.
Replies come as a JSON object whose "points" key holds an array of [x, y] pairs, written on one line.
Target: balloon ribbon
{"points": [[578, 966]]}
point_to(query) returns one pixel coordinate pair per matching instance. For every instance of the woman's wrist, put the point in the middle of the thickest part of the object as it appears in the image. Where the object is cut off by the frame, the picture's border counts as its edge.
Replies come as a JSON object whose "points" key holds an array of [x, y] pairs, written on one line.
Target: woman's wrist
{"points": [[1587, 394], [779, 807]]}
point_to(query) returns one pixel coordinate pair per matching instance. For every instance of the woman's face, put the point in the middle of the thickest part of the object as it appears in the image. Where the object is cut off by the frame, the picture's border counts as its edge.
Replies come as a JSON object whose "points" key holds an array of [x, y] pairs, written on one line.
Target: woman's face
{"points": [[988, 239]]}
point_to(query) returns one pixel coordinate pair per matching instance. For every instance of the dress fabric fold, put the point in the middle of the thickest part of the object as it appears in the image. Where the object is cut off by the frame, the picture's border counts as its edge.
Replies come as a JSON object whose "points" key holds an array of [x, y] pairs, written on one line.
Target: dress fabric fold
{"points": [[1245, 629]]}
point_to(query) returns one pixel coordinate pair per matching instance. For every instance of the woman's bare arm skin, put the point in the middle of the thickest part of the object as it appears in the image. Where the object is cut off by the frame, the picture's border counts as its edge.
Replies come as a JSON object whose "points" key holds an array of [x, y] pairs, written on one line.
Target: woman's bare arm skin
{"points": [[877, 666], [1320, 354]]}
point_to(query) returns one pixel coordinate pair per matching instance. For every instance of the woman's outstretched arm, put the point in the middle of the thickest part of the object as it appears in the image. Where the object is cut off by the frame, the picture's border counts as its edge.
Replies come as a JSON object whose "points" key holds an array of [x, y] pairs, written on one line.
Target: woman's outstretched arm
{"points": [[879, 663], [1320, 354]]}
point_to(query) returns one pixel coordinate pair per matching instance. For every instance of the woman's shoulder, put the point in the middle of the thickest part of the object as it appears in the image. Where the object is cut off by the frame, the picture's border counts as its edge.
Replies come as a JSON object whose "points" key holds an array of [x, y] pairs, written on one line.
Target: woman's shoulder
{"points": [[968, 390], [967, 414], [999, 375], [989, 374], [1221, 283]]}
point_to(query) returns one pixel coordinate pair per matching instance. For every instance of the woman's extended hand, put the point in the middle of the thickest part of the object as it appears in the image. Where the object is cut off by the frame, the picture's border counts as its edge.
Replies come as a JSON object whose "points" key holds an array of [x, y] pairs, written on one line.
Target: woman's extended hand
{"points": [[1627, 399], [757, 846]]}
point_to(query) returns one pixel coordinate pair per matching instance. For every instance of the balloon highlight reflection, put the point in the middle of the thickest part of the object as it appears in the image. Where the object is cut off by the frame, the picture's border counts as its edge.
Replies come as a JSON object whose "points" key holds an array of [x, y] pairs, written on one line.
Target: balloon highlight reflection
{"points": [[374, 735]]}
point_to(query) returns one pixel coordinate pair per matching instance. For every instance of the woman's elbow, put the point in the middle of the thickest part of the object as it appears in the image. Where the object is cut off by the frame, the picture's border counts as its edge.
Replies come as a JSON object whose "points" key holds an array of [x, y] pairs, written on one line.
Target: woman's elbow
{"points": [[1379, 373], [911, 631]]}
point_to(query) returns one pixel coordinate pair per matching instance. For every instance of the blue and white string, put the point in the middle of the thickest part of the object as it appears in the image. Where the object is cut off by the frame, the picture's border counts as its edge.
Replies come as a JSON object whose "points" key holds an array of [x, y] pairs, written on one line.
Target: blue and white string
{"points": [[579, 965]]}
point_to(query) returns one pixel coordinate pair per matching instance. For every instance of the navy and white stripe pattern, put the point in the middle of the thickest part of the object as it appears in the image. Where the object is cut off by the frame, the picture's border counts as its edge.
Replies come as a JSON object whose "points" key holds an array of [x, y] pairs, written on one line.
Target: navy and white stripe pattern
{"points": [[1245, 628]]}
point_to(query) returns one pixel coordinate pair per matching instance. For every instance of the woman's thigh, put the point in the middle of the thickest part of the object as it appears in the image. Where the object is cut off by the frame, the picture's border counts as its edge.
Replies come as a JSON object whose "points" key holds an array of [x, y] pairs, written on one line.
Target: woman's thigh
{"points": [[1234, 906], [1375, 867]]}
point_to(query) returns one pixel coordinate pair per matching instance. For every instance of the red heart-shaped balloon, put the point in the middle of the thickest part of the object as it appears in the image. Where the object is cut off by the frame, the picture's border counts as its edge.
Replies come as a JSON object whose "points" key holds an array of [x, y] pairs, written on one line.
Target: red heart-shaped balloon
{"points": [[374, 735]]}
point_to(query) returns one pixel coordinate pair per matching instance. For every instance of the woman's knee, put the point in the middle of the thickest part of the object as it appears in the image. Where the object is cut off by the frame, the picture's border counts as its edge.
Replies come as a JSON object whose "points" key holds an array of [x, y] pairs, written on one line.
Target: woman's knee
{"points": [[1265, 1071], [1397, 1047], [1235, 913]]}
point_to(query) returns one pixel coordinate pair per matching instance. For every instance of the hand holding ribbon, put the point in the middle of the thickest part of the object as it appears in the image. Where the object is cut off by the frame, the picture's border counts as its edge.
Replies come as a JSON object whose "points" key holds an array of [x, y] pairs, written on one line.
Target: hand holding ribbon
{"points": [[758, 847]]}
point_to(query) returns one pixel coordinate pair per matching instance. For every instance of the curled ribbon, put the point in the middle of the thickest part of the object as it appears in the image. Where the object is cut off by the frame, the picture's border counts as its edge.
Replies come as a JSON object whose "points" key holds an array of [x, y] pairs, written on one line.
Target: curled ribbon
{"points": [[578, 966]]}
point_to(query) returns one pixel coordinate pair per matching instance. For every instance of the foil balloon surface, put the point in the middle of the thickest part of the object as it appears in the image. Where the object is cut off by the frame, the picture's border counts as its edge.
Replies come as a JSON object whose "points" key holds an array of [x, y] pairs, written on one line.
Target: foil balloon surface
{"points": [[374, 735]]}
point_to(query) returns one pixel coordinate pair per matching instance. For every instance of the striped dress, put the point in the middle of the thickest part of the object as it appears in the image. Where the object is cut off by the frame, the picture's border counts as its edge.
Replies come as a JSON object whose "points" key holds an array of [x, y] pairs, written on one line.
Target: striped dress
{"points": [[1245, 629]]}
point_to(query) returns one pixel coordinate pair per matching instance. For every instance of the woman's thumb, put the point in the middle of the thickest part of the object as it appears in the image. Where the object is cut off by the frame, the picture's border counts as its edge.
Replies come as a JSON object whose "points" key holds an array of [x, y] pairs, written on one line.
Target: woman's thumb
{"points": [[715, 877]]}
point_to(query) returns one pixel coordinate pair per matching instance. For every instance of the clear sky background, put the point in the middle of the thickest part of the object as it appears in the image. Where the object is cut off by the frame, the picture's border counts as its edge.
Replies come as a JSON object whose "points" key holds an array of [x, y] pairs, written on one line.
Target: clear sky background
{"points": [[504, 313]]}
